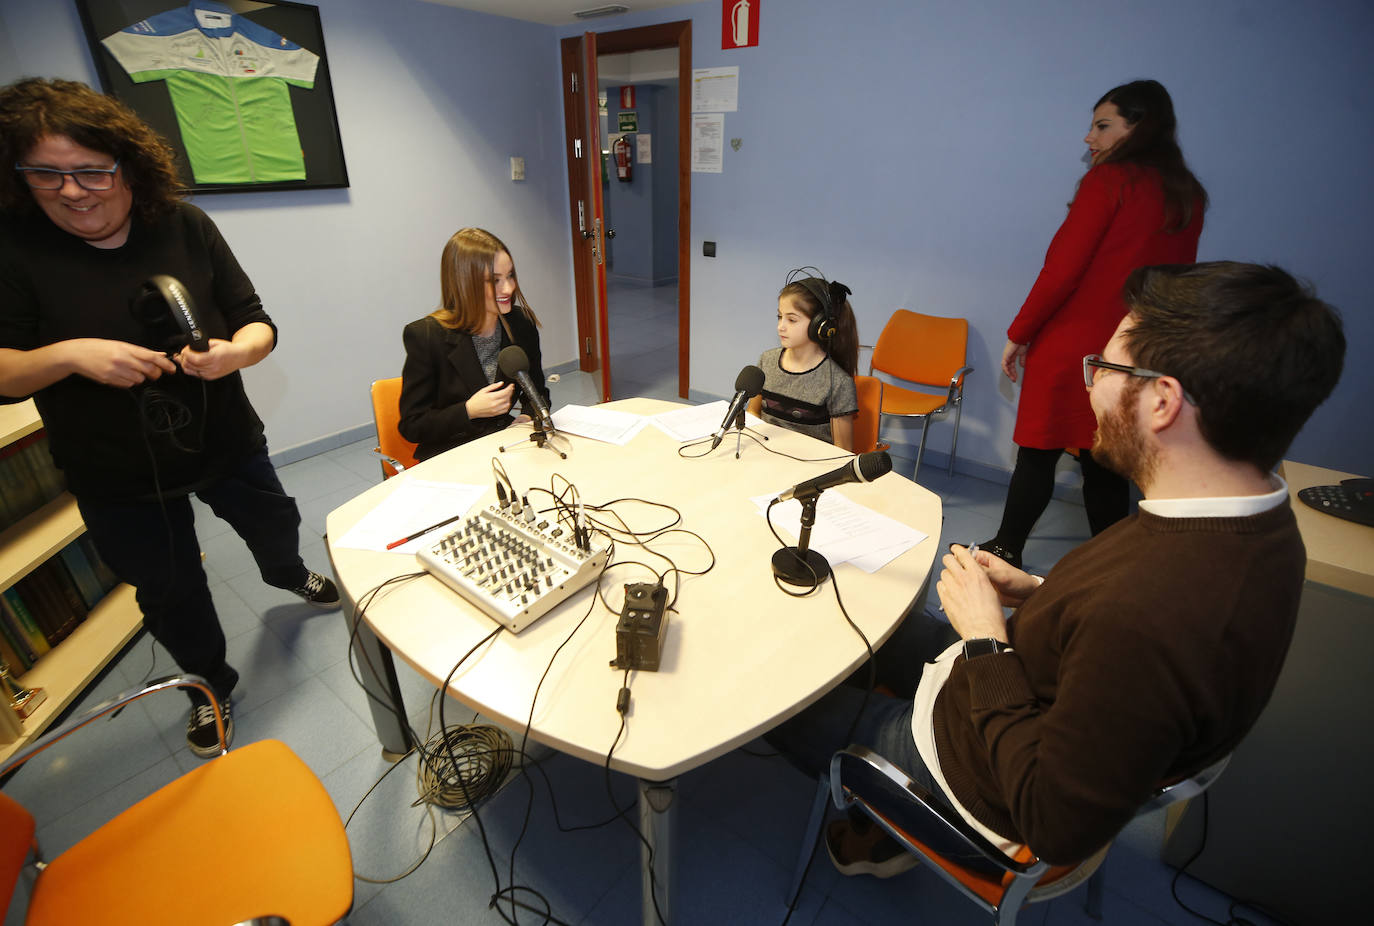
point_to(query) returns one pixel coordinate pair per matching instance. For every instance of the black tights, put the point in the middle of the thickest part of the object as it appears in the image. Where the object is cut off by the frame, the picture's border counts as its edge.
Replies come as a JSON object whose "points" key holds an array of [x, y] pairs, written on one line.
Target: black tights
{"points": [[1106, 495]]}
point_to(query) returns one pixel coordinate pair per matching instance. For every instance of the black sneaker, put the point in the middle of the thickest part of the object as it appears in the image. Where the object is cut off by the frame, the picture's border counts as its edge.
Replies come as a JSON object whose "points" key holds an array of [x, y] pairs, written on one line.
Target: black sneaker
{"points": [[201, 734], [318, 590], [1001, 552]]}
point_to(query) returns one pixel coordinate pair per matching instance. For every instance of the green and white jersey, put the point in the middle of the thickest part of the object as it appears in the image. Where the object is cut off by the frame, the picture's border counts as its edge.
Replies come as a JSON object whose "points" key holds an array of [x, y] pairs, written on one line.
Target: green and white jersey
{"points": [[228, 79]]}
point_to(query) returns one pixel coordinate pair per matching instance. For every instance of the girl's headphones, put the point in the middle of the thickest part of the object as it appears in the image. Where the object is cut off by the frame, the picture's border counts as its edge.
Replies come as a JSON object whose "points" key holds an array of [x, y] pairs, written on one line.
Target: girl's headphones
{"points": [[825, 323]]}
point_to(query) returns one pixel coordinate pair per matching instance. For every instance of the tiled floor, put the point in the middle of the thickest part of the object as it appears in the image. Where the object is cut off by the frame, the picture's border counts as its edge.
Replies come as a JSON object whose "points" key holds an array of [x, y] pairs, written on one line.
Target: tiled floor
{"points": [[740, 819], [644, 339]]}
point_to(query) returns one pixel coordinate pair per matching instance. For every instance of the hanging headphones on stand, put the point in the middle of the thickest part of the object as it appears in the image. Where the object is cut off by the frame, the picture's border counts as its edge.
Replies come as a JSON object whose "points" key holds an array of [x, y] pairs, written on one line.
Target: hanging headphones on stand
{"points": [[825, 323]]}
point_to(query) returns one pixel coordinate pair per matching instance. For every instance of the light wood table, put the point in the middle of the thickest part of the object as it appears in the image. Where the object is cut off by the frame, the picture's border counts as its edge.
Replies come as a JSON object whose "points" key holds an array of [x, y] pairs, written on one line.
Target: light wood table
{"points": [[739, 657]]}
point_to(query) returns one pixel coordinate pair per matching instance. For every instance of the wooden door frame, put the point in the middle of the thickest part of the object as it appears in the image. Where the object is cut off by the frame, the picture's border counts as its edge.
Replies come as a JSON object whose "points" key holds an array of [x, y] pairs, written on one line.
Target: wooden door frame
{"points": [[664, 35]]}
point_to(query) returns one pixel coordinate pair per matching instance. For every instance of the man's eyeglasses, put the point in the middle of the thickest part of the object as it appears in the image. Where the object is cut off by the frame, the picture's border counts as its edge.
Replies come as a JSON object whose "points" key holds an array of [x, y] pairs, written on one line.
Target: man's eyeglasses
{"points": [[1094, 362], [88, 178]]}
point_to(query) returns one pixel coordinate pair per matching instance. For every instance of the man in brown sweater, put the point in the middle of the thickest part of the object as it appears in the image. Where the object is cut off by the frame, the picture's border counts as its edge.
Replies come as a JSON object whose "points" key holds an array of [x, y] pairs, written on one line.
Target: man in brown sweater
{"points": [[1148, 652]]}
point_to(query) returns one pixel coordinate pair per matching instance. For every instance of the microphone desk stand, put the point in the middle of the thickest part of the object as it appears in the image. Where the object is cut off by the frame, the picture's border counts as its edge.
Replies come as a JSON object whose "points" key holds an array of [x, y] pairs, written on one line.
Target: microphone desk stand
{"points": [[800, 565], [542, 437]]}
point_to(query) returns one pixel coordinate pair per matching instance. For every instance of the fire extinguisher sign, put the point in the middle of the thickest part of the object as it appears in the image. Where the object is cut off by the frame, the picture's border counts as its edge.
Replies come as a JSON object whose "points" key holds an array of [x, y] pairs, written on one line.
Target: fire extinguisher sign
{"points": [[739, 25]]}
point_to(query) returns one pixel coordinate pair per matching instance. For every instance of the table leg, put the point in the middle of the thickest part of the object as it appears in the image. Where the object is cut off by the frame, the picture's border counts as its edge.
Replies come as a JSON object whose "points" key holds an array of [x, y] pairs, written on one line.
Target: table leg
{"points": [[657, 810], [378, 673]]}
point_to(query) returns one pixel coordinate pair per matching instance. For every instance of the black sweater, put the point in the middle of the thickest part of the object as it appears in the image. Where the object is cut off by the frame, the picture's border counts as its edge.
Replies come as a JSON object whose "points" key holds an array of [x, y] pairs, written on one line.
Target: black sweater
{"points": [[55, 287]]}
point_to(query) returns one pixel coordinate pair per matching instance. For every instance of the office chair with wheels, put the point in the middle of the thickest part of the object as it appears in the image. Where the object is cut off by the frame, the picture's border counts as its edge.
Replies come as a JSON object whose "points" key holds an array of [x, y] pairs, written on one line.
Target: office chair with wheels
{"points": [[862, 779], [925, 350], [250, 836], [397, 453]]}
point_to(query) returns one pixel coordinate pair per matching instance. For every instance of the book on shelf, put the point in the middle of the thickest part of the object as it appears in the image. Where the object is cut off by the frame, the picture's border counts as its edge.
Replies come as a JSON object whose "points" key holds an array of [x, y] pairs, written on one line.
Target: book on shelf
{"points": [[82, 573], [28, 478], [53, 600], [17, 614], [10, 651]]}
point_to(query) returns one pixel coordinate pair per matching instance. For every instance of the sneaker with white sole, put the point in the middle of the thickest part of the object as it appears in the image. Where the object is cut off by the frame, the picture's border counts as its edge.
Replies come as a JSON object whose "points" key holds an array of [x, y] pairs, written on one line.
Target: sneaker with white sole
{"points": [[318, 590], [201, 734], [867, 852]]}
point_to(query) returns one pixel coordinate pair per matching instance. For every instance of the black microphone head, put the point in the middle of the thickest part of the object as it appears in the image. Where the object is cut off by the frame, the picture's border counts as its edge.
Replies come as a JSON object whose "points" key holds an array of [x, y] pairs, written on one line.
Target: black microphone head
{"points": [[873, 464], [749, 381], [512, 360]]}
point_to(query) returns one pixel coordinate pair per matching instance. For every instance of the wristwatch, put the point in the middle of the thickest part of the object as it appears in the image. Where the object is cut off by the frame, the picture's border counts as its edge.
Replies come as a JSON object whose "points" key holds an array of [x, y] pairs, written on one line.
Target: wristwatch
{"points": [[984, 646]]}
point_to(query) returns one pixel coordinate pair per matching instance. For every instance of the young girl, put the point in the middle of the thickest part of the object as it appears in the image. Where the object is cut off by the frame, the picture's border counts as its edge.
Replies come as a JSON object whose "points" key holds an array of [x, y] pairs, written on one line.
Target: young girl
{"points": [[451, 392], [808, 382]]}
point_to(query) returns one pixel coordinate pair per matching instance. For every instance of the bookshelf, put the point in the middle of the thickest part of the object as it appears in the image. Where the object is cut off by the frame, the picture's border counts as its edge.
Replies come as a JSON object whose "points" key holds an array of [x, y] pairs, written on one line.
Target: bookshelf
{"points": [[66, 670]]}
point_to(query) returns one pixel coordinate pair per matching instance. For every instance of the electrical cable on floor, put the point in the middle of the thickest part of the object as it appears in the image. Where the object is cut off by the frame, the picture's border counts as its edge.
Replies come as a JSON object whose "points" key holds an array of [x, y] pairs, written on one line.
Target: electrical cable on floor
{"points": [[466, 764]]}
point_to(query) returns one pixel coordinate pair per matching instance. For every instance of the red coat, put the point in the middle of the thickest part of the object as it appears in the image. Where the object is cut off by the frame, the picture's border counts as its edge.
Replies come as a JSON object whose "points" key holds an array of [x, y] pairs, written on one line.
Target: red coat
{"points": [[1114, 225]]}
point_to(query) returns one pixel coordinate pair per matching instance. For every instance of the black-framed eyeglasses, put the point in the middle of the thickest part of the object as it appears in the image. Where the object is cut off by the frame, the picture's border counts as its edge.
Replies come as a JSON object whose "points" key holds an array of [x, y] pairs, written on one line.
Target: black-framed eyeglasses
{"points": [[95, 179], [1094, 362]]}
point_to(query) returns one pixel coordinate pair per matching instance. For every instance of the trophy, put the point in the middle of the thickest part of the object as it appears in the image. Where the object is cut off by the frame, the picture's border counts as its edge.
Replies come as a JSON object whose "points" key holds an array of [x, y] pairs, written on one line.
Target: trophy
{"points": [[24, 700]]}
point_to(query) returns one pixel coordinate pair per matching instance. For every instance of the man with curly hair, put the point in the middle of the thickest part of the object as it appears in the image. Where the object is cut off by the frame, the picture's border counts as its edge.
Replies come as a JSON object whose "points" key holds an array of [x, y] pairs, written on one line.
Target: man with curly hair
{"points": [[90, 212]]}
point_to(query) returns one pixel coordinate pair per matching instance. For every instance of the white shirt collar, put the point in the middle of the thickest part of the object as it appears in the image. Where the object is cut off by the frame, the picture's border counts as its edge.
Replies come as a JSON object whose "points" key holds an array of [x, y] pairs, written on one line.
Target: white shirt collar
{"points": [[1230, 506]]}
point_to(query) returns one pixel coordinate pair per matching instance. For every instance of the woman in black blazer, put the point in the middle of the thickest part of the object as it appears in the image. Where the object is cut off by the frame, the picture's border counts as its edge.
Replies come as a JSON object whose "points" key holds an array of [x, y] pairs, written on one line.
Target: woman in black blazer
{"points": [[451, 391]]}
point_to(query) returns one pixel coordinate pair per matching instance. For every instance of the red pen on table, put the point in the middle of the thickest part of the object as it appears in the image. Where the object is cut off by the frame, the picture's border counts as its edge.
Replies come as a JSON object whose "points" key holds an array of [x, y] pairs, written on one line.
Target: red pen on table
{"points": [[420, 533]]}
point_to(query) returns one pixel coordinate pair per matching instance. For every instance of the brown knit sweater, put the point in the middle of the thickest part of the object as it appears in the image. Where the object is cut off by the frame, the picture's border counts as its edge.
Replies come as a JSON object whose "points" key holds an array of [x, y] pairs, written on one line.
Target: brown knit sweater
{"points": [[1146, 655]]}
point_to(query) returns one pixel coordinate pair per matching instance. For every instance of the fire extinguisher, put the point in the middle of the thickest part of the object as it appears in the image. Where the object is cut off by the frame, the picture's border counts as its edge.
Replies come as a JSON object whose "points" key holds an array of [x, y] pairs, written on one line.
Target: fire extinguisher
{"points": [[624, 170]]}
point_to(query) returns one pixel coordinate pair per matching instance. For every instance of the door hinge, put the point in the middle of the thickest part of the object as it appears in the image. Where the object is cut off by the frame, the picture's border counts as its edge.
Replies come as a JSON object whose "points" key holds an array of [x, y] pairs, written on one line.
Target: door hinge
{"points": [[589, 346], [573, 76], [577, 147]]}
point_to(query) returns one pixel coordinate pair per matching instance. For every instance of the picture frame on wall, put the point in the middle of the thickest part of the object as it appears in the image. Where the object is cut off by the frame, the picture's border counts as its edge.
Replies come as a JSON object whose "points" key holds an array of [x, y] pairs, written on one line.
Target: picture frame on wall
{"points": [[239, 88]]}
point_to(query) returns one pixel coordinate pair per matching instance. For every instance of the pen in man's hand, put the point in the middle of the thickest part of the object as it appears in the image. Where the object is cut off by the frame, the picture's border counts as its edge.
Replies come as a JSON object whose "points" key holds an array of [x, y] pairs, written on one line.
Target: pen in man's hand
{"points": [[420, 533]]}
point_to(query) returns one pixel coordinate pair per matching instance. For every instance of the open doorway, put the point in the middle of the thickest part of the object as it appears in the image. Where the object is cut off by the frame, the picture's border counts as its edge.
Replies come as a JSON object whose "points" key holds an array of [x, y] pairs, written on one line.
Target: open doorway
{"points": [[638, 108], [647, 291]]}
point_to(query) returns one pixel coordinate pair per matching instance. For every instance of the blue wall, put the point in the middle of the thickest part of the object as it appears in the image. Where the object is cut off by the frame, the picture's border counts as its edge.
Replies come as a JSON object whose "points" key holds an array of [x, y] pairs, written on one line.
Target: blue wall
{"points": [[924, 152], [921, 152]]}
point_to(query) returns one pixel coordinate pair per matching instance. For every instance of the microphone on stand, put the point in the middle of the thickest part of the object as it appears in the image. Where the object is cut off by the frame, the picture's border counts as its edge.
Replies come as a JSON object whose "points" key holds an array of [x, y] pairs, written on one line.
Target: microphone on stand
{"points": [[864, 468], [515, 365], [748, 384], [800, 565]]}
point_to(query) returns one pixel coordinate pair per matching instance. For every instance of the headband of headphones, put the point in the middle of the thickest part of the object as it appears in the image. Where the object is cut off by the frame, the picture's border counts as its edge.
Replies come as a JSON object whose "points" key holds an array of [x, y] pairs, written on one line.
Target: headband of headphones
{"points": [[164, 306], [825, 323]]}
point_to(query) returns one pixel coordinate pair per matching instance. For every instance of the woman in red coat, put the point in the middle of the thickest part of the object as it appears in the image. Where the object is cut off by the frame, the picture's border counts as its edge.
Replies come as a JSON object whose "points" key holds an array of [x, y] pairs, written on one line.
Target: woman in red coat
{"points": [[1137, 205]]}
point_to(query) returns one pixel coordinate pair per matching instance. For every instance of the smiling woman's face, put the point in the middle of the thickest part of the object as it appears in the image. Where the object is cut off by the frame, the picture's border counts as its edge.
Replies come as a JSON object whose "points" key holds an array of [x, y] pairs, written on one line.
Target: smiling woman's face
{"points": [[99, 217]]}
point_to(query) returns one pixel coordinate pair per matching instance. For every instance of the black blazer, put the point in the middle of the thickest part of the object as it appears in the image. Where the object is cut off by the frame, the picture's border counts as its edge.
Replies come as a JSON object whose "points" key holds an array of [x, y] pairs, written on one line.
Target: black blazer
{"points": [[442, 372]]}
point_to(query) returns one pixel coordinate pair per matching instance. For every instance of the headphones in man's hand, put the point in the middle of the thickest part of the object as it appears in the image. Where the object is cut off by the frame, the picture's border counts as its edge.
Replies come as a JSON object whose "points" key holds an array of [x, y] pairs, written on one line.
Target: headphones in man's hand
{"points": [[825, 323], [164, 306]]}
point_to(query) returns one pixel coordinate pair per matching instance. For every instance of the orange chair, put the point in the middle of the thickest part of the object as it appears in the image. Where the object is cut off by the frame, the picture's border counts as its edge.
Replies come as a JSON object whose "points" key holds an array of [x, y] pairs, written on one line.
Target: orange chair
{"points": [[247, 836], [870, 393], [925, 350], [863, 779], [397, 453]]}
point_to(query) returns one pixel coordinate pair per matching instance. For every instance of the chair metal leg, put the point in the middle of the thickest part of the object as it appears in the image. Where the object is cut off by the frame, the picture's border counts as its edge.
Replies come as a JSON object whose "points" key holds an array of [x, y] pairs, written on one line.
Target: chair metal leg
{"points": [[954, 446], [921, 450], [810, 839], [1092, 902]]}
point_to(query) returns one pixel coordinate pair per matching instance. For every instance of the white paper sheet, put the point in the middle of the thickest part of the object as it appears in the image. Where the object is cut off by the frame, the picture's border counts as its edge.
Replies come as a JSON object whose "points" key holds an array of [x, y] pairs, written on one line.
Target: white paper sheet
{"points": [[599, 423], [415, 505], [696, 421], [845, 531]]}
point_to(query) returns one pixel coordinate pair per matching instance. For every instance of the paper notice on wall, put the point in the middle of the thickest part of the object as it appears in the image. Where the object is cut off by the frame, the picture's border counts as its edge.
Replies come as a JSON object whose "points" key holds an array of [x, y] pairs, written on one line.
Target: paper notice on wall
{"points": [[715, 90], [644, 151], [708, 149]]}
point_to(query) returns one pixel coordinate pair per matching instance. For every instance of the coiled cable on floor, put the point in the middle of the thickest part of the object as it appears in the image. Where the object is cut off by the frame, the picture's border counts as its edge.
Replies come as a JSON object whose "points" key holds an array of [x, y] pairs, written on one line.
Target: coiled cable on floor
{"points": [[464, 765]]}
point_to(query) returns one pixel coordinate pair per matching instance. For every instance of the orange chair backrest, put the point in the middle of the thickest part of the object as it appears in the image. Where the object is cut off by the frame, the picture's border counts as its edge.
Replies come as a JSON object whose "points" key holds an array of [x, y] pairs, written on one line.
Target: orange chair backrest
{"points": [[926, 349], [16, 838], [386, 412], [870, 393]]}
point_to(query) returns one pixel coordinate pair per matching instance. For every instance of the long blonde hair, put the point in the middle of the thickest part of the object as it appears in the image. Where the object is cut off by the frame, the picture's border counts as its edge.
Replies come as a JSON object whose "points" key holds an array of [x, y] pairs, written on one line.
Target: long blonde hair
{"points": [[465, 272]]}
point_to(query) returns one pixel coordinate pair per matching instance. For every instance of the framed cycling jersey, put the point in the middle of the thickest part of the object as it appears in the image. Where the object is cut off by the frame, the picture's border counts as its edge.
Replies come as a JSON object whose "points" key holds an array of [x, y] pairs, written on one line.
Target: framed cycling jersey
{"points": [[240, 88]]}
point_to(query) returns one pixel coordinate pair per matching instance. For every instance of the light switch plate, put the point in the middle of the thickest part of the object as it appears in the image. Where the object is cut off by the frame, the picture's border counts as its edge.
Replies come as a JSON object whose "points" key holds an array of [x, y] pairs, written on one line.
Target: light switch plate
{"points": [[517, 168]]}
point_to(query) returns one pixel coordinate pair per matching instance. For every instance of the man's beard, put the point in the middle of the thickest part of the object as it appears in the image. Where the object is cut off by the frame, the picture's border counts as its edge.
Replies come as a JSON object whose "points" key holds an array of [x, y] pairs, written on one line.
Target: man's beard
{"points": [[1120, 444]]}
